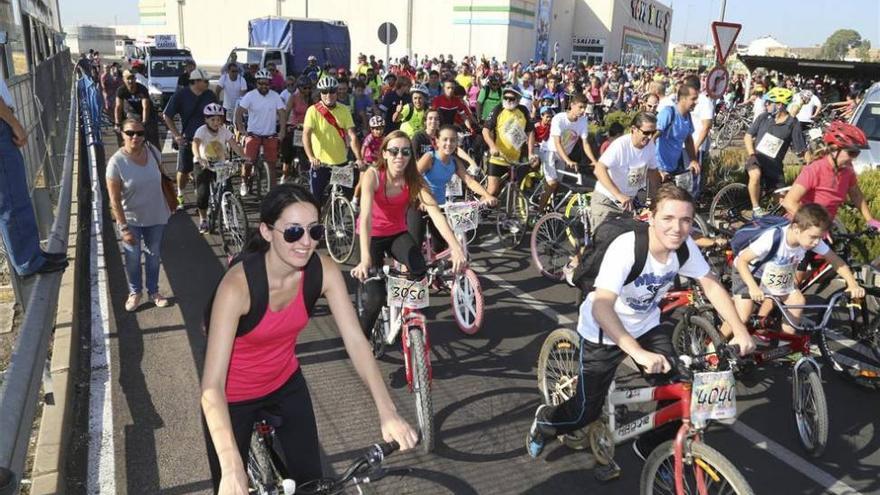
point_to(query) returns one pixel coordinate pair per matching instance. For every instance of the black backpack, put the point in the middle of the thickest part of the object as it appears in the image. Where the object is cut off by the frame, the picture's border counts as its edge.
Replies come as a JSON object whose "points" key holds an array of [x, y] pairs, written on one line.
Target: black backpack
{"points": [[254, 265], [586, 272]]}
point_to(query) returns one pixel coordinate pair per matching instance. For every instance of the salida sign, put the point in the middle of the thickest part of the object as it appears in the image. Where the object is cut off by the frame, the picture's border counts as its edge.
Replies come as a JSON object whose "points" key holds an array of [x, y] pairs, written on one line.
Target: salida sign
{"points": [[646, 12]]}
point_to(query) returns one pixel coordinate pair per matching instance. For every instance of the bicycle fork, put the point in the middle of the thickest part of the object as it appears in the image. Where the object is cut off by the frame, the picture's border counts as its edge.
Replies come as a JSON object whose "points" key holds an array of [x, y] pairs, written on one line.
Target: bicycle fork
{"points": [[414, 321]]}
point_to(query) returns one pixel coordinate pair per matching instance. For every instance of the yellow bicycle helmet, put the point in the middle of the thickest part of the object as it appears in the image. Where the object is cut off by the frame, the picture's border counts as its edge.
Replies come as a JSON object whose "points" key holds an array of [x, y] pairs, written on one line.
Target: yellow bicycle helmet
{"points": [[779, 95]]}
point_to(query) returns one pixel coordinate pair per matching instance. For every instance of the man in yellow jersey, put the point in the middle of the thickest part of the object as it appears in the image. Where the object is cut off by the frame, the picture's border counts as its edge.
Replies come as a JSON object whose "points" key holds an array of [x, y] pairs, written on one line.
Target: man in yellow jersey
{"points": [[505, 132], [328, 130]]}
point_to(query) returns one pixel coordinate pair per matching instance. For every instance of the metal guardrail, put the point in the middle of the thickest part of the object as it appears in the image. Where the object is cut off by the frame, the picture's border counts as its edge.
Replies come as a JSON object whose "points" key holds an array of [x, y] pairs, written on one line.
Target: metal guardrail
{"points": [[20, 388]]}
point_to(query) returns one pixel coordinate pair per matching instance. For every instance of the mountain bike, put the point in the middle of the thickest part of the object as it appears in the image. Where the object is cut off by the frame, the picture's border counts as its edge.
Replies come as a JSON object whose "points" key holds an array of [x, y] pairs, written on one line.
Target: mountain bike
{"points": [[226, 213], [464, 287], [731, 206], [700, 396], [512, 213], [401, 315], [339, 218]]}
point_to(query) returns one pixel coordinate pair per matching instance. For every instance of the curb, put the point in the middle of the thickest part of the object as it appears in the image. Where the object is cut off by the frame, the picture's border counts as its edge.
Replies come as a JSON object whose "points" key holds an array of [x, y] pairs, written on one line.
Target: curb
{"points": [[47, 474]]}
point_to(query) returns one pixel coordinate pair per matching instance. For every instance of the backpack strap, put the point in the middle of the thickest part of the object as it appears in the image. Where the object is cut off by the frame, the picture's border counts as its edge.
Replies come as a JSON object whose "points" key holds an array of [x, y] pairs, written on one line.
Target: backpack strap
{"points": [[777, 240], [258, 289], [682, 253], [314, 282], [640, 256]]}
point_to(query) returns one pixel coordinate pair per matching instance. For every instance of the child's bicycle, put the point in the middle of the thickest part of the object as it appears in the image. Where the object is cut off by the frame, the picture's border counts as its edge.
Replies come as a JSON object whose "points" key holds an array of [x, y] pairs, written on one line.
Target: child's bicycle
{"points": [[226, 214], [401, 315], [676, 466]]}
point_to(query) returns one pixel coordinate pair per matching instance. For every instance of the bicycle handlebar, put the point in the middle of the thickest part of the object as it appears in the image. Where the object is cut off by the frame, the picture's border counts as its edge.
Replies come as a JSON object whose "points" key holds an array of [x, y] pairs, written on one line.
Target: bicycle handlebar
{"points": [[358, 471], [688, 365], [783, 308]]}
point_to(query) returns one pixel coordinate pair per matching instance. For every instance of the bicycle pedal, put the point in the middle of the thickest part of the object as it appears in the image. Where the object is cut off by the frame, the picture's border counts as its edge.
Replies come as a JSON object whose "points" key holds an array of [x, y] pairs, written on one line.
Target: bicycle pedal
{"points": [[606, 472]]}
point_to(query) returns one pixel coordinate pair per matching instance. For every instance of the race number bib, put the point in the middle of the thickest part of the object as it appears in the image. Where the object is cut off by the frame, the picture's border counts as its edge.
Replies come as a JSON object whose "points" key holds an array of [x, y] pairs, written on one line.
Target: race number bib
{"points": [[814, 134], [636, 176], [342, 176], [515, 133], [608, 102], [453, 187], [298, 138], [412, 294], [769, 145], [590, 109], [713, 396], [778, 280], [685, 181]]}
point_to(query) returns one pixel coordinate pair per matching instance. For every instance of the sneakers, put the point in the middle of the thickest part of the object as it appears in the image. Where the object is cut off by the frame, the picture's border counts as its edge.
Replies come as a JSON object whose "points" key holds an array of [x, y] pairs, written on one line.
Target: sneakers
{"points": [[535, 439], [133, 301], [159, 300], [568, 273], [203, 227], [180, 202], [243, 189], [758, 212]]}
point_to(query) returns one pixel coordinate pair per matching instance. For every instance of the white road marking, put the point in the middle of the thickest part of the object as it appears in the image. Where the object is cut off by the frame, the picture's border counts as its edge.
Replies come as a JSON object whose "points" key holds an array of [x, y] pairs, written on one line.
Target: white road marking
{"points": [[799, 464], [166, 146], [101, 476]]}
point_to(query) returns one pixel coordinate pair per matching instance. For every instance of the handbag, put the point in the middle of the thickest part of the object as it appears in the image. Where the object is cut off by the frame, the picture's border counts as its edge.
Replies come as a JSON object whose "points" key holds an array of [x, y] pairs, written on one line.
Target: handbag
{"points": [[169, 187]]}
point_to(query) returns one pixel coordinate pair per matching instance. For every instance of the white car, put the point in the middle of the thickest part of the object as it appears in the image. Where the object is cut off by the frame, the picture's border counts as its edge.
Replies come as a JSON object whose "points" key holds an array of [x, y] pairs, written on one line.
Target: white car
{"points": [[867, 118]]}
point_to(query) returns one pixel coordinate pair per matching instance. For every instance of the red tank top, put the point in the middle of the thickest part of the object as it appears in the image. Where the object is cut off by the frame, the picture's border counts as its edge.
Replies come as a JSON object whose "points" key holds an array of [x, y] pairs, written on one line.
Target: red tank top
{"points": [[389, 213], [265, 358]]}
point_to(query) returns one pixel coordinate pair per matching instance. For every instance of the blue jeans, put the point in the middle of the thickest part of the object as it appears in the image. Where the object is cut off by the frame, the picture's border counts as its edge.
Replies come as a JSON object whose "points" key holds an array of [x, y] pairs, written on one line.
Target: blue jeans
{"points": [[151, 237], [18, 224]]}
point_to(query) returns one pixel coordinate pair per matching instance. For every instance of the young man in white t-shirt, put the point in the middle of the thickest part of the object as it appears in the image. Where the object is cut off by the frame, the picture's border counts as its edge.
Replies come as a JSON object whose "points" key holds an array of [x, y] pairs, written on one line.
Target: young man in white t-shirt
{"points": [[209, 146], [760, 270], [629, 164], [265, 110], [702, 116], [232, 87], [566, 130], [619, 319]]}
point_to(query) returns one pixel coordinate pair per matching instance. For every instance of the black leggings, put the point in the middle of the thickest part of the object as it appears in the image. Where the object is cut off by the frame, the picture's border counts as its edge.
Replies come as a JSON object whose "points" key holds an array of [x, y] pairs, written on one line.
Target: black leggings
{"points": [[203, 187], [600, 363], [417, 223], [404, 249], [298, 433]]}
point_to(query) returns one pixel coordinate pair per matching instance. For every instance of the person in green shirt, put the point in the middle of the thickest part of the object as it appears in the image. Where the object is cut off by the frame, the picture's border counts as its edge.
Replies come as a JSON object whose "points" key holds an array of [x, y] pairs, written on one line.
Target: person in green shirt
{"points": [[412, 115], [489, 97]]}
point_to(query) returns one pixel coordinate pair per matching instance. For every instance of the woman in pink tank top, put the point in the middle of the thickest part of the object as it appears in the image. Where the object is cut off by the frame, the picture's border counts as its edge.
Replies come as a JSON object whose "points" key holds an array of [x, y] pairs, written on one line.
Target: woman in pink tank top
{"points": [[387, 191], [262, 305]]}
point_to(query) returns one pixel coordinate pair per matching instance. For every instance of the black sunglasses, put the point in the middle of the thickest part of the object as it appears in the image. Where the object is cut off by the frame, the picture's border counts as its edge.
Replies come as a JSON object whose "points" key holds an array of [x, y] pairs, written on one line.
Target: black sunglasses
{"points": [[853, 152], [510, 98], [405, 152], [647, 133], [131, 133], [295, 232], [328, 91]]}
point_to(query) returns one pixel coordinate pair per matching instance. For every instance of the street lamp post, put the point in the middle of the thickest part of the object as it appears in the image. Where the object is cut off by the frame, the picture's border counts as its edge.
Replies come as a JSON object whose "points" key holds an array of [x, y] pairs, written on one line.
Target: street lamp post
{"points": [[180, 22]]}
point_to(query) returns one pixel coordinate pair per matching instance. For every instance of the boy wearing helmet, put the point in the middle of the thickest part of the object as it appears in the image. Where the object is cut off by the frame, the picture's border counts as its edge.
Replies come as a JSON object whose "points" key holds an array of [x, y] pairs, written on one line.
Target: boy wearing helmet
{"points": [[412, 115], [265, 110], [767, 141], [209, 146]]}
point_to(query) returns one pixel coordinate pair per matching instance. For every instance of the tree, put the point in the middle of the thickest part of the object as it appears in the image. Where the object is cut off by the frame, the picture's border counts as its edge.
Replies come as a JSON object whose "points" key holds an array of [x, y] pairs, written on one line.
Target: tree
{"points": [[839, 43], [864, 51]]}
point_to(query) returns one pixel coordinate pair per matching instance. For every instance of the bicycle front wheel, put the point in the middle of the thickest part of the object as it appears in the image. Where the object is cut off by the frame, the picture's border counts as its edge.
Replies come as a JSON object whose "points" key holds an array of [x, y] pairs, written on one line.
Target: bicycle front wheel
{"points": [[695, 336], [810, 410], [339, 221], [234, 224], [731, 207], [559, 372], [421, 387], [262, 473], [550, 246], [513, 218], [704, 467], [467, 301]]}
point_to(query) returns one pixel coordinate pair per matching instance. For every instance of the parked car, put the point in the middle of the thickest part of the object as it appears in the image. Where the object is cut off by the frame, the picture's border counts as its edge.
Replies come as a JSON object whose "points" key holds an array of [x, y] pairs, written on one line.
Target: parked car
{"points": [[867, 118]]}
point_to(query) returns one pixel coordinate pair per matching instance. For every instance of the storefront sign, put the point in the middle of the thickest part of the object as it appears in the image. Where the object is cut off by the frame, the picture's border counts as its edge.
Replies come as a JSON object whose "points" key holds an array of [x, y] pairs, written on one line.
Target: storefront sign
{"points": [[575, 40], [652, 15]]}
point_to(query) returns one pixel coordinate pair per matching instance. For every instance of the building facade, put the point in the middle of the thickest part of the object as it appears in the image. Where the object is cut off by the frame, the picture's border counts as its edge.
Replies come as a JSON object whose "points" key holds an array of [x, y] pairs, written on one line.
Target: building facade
{"points": [[629, 31]]}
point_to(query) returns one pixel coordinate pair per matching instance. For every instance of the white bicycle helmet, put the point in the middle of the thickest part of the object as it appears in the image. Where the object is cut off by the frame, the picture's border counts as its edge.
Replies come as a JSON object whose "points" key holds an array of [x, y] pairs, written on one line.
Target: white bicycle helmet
{"points": [[327, 82], [419, 88], [213, 110], [262, 74], [377, 121]]}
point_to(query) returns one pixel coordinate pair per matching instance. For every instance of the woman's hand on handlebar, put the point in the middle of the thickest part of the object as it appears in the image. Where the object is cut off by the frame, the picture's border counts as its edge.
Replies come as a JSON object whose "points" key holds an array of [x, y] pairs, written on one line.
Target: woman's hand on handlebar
{"points": [[362, 270], [234, 483], [395, 428], [459, 260], [855, 291], [489, 200]]}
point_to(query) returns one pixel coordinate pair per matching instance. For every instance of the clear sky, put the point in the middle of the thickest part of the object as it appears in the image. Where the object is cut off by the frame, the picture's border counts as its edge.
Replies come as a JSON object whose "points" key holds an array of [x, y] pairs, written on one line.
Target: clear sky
{"points": [[793, 22]]}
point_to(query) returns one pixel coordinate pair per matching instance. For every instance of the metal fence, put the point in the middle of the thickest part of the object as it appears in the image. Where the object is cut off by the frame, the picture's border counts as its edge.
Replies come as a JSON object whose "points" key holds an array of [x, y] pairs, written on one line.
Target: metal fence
{"points": [[42, 100]]}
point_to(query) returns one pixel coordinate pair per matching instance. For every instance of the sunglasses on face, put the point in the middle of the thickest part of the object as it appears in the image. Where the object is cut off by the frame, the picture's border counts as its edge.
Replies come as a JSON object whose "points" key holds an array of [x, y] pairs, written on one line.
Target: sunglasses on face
{"points": [[509, 98], [853, 152], [131, 133], [405, 152], [328, 91], [295, 232], [648, 133]]}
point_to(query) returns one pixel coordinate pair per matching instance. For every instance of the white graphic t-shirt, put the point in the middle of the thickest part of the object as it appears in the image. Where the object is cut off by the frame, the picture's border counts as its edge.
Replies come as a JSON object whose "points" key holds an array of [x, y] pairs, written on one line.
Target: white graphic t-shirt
{"points": [[212, 145], [776, 276], [569, 132], [627, 165], [637, 302]]}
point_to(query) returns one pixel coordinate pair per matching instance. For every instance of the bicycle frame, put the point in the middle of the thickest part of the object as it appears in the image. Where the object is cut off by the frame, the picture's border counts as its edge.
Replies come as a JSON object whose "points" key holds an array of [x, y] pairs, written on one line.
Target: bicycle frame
{"points": [[680, 409]]}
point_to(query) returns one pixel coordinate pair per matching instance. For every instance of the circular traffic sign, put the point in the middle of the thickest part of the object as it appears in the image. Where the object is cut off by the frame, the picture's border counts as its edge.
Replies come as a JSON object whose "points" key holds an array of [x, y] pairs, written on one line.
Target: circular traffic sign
{"points": [[717, 81], [387, 33]]}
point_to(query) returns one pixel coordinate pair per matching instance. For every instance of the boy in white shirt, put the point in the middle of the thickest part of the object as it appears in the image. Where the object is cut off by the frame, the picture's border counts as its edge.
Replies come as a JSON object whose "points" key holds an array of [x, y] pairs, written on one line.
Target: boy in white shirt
{"points": [[209, 146]]}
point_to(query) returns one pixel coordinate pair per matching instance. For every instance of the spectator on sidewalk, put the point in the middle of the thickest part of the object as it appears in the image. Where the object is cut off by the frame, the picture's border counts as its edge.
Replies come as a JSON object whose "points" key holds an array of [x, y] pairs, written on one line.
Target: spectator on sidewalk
{"points": [[18, 224], [134, 185]]}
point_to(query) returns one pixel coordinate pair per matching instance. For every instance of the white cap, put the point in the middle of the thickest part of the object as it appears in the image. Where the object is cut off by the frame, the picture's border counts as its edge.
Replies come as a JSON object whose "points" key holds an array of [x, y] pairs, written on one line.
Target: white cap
{"points": [[197, 74]]}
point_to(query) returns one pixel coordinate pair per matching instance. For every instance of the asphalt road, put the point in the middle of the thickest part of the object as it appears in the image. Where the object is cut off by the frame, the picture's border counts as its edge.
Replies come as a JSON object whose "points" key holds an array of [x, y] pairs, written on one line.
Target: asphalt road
{"points": [[484, 392]]}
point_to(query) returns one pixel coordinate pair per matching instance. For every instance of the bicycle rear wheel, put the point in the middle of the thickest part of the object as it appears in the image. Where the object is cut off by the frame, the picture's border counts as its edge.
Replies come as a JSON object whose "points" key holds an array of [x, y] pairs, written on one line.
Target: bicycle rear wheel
{"points": [[810, 410], [233, 224], [550, 246], [421, 387], [704, 466], [513, 216], [559, 372], [731, 207], [339, 221], [467, 301]]}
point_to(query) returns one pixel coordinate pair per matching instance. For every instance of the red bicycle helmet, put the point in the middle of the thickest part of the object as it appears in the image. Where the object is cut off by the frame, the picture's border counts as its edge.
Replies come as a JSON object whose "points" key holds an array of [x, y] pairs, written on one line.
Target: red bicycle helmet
{"points": [[845, 135]]}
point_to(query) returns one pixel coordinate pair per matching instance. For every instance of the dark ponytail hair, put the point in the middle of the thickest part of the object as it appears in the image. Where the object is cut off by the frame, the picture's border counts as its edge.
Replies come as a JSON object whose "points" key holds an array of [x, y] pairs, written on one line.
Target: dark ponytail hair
{"points": [[273, 204]]}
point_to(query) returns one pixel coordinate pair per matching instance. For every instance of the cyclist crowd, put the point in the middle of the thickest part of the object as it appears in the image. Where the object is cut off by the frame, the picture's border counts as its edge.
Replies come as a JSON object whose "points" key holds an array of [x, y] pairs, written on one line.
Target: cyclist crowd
{"points": [[413, 126]]}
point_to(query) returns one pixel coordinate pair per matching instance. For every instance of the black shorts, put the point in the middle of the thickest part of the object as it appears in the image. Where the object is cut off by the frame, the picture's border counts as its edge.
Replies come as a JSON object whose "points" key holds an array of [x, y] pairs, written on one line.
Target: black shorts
{"points": [[495, 170], [185, 159]]}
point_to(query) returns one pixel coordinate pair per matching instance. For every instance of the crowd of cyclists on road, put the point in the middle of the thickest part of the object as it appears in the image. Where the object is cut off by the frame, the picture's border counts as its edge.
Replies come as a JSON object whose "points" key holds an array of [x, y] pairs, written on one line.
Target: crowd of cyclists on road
{"points": [[409, 128]]}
